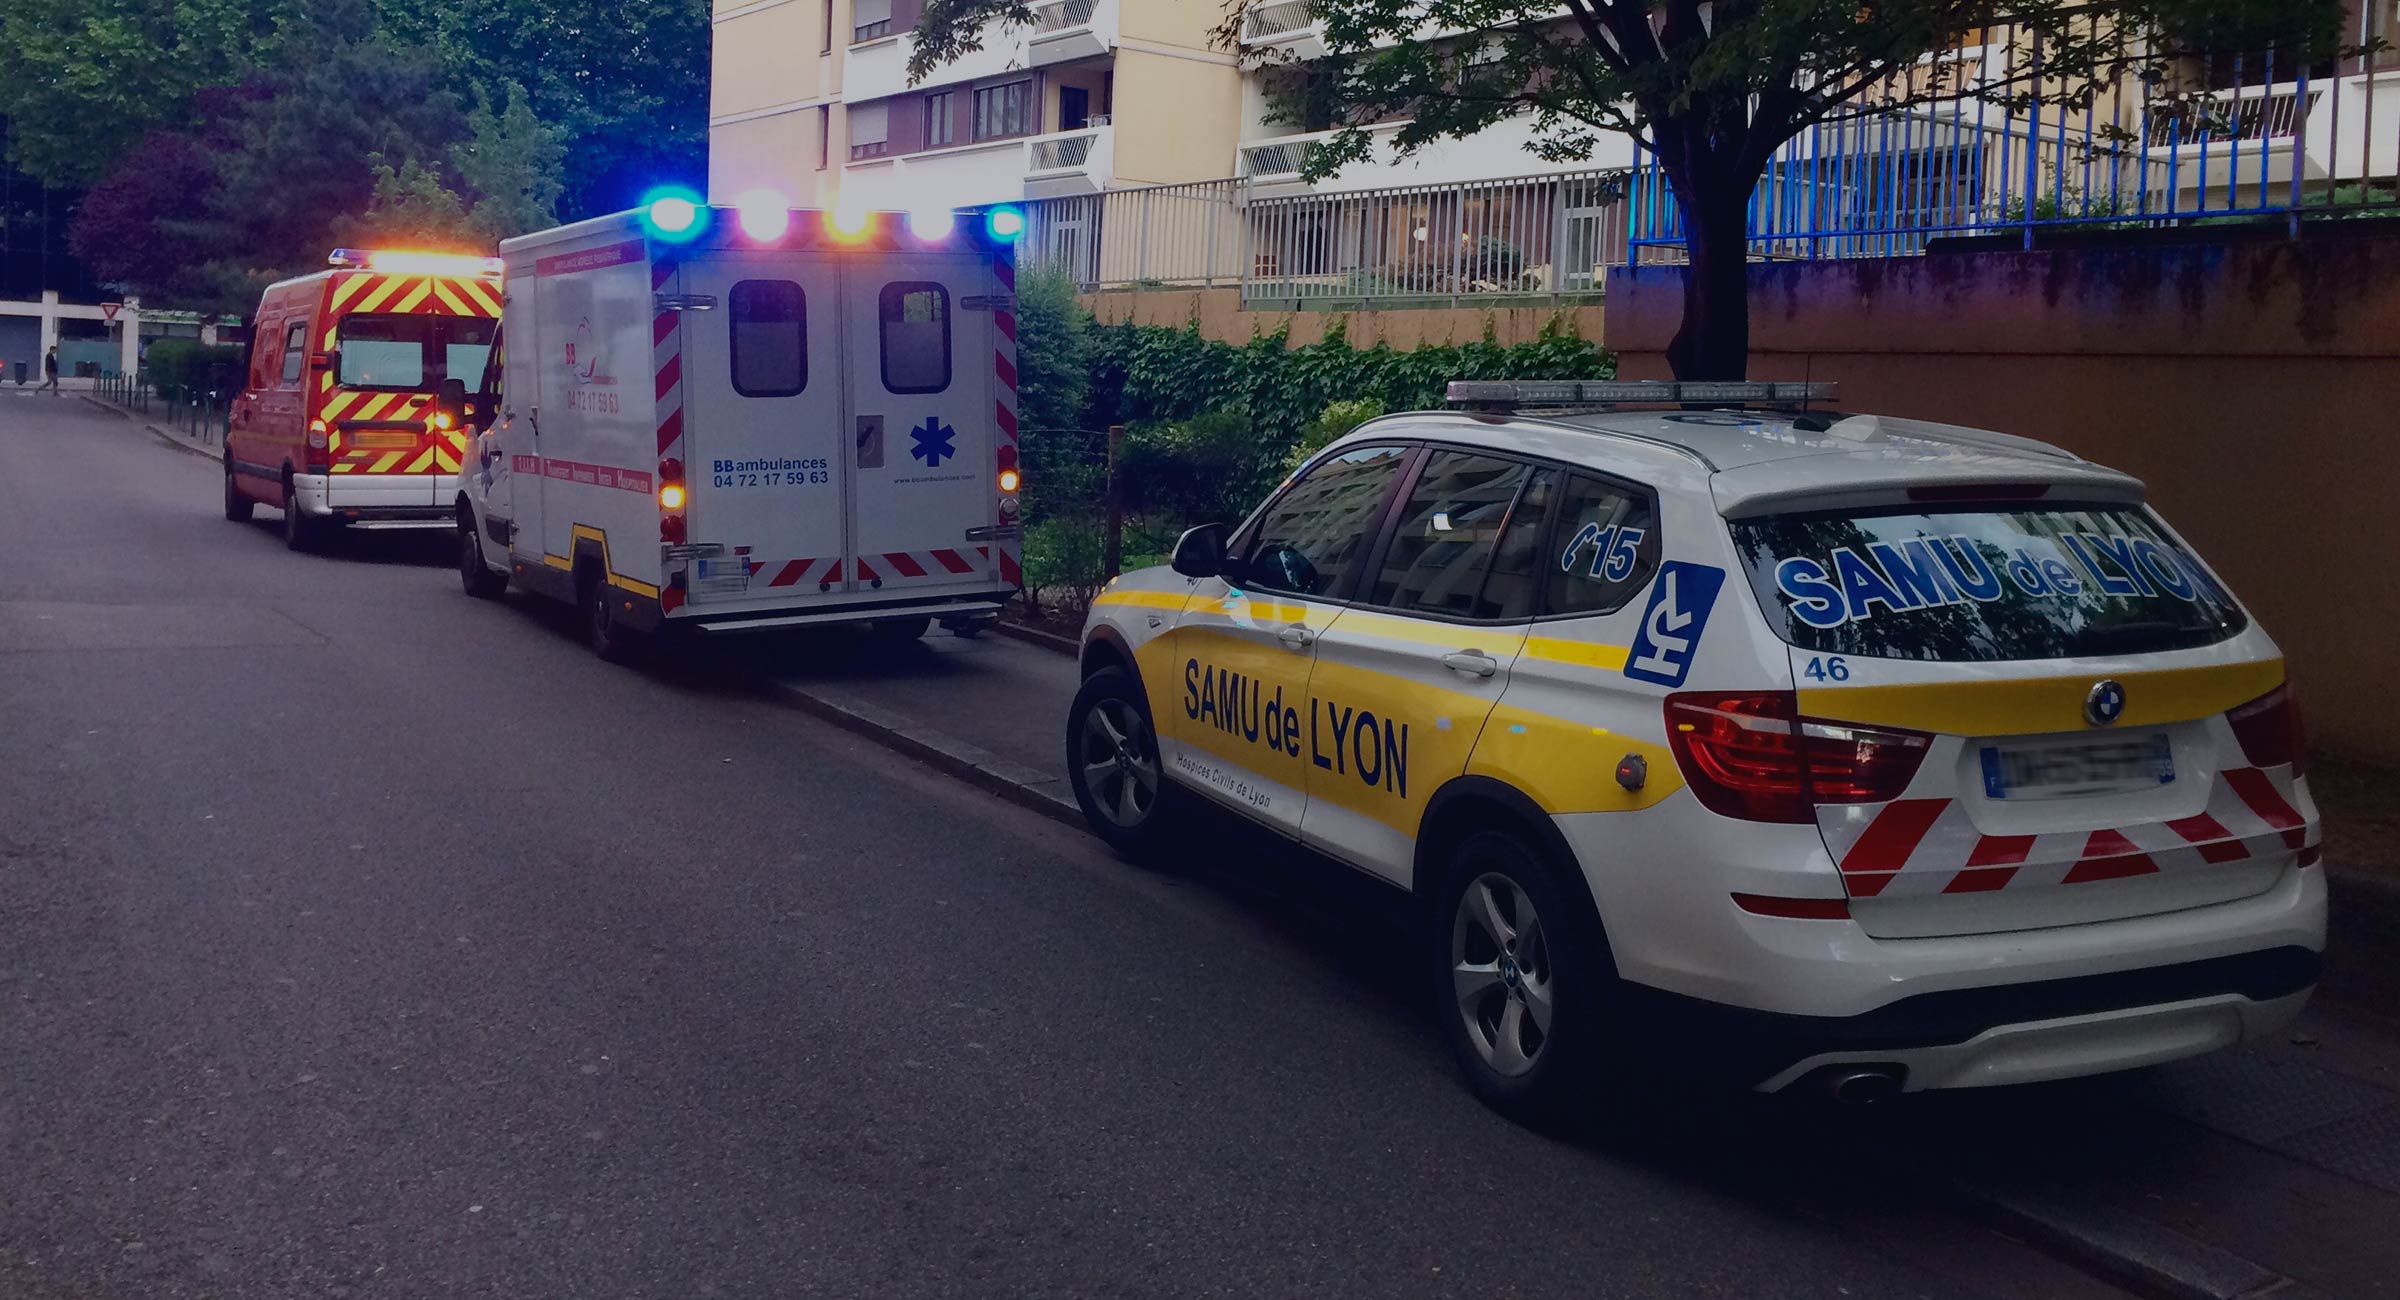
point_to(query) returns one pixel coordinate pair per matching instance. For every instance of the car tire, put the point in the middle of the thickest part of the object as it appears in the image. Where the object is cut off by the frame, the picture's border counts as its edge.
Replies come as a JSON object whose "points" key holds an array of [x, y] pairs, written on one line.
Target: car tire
{"points": [[1113, 766], [609, 639], [299, 531], [898, 631], [1525, 986], [473, 574], [238, 508]]}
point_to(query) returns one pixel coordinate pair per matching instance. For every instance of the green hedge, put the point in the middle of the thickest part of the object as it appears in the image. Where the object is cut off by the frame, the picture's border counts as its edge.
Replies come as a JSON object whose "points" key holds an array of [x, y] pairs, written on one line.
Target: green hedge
{"points": [[177, 367]]}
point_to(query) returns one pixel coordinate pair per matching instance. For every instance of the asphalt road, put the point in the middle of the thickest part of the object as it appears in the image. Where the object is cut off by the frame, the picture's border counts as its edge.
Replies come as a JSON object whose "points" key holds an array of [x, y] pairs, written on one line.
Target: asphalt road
{"points": [[361, 939]]}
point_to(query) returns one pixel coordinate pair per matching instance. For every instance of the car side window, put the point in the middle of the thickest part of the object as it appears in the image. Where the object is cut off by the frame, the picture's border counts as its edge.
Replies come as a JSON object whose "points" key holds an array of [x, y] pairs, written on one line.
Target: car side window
{"points": [[1515, 580], [265, 355], [1603, 550], [1319, 529], [295, 352], [1446, 534]]}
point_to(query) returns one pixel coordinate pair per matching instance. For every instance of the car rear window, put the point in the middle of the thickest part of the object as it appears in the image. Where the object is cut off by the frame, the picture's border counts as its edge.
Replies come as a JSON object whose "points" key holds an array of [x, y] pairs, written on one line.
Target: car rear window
{"points": [[1982, 583]]}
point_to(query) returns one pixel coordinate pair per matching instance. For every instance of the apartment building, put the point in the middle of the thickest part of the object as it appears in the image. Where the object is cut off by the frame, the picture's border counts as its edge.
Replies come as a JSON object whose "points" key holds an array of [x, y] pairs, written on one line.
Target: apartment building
{"points": [[811, 98]]}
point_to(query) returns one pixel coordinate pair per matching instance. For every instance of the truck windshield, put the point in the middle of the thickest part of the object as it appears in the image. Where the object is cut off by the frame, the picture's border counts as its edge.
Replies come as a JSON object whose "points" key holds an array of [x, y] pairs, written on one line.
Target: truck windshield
{"points": [[1982, 583], [414, 352]]}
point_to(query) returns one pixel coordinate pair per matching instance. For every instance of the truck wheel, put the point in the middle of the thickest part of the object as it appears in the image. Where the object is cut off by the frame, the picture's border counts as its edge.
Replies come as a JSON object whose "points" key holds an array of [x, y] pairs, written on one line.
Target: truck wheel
{"points": [[237, 506], [899, 631], [610, 639], [299, 531], [1523, 981], [1112, 762], [473, 574]]}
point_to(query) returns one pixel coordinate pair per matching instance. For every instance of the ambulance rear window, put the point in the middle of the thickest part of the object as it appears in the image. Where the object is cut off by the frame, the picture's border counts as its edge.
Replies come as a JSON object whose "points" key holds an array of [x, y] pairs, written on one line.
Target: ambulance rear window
{"points": [[769, 323], [915, 318], [1982, 584]]}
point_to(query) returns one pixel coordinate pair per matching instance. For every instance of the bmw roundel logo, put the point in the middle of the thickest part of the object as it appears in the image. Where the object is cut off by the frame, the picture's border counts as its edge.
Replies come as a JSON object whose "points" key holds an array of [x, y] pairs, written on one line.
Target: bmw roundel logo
{"points": [[2106, 703]]}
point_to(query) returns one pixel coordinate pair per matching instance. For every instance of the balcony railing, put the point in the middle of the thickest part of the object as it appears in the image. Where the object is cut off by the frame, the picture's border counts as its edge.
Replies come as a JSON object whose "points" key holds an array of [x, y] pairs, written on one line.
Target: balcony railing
{"points": [[1274, 18], [1061, 152], [1060, 15], [2272, 113]]}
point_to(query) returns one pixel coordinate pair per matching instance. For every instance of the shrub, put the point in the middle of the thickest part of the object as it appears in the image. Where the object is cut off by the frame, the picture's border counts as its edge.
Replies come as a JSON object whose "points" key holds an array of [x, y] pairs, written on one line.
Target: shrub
{"points": [[1210, 466], [1065, 562], [179, 367], [1338, 418]]}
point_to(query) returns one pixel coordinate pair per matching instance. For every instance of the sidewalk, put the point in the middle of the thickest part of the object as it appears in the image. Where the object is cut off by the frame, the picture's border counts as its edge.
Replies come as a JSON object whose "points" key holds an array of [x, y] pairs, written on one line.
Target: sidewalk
{"points": [[199, 444], [2188, 1179]]}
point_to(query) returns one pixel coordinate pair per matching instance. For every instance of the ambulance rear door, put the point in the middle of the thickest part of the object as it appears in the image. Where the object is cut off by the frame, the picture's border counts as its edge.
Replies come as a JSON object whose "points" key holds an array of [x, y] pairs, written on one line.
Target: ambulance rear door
{"points": [[923, 445], [762, 380]]}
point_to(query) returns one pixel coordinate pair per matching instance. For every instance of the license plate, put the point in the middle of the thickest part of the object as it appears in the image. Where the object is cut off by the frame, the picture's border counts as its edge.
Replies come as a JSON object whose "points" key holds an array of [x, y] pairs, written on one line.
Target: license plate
{"points": [[384, 440], [721, 573], [2058, 771]]}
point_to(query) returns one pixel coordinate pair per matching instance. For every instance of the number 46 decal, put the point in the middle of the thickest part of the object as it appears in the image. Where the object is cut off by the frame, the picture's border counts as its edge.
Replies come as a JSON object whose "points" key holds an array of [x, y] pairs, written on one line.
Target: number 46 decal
{"points": [[1612, 550], [1827, 669]]}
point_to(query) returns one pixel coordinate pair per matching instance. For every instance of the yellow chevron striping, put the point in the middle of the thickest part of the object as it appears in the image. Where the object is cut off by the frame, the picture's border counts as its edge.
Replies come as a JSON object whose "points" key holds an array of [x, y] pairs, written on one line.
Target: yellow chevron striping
{"points": [[414, 298], [374, 406], [383, 293], [338, 403], [445, 293], [389, 459], [344, 467], [333, 442], [482, 295], [348, 289], [422, 463], [448, 462]]}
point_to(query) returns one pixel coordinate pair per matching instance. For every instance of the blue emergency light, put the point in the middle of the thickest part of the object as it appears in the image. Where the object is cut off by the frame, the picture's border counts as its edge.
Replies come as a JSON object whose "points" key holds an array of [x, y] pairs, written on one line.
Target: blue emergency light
{"points": [[674, 215], [1004, 224]]}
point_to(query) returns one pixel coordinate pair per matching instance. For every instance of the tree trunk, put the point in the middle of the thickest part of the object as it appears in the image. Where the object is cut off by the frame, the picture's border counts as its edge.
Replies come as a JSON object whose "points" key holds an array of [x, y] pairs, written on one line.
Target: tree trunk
{"points": [[1714, 341]]}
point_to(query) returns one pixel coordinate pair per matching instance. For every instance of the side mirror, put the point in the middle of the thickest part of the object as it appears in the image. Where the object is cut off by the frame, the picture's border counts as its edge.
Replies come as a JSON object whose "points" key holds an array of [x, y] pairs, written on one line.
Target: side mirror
{"points": [[451, 399], [1200, 552], [326, 360]]}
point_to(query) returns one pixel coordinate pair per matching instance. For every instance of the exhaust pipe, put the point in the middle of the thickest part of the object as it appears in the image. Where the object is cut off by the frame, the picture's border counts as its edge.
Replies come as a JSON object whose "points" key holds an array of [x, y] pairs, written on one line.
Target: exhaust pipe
{"points": [[1862, 1085]]}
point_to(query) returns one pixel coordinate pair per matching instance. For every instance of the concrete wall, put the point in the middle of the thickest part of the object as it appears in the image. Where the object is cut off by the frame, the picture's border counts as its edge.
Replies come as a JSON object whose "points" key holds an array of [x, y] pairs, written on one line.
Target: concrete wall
{"points": [[2254, 386], [1220, 314]]}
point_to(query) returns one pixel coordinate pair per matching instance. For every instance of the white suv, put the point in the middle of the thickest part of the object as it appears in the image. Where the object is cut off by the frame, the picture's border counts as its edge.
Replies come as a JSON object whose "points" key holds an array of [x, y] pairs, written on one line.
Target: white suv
{"points": [[1839, 751]]}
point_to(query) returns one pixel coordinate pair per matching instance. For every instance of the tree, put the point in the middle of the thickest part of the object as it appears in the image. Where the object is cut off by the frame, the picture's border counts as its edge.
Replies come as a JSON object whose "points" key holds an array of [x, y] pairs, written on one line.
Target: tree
{"points": [[1709, 90]]}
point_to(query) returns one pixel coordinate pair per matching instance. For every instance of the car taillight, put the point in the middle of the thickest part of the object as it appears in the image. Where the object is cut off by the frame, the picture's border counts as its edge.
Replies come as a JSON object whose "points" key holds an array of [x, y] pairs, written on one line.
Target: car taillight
{"points": [[319, 454], [1749, 754], [2270, 730]]}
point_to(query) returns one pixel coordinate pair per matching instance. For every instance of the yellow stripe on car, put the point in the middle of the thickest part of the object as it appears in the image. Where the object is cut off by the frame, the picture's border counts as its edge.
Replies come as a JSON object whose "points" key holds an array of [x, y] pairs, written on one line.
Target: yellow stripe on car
{"points": [[2029, 705]]}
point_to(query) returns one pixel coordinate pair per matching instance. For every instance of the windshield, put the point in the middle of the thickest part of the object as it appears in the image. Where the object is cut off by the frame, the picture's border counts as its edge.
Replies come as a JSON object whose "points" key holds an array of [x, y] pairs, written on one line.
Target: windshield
{"points": [[1980, 583], [414, 352]]}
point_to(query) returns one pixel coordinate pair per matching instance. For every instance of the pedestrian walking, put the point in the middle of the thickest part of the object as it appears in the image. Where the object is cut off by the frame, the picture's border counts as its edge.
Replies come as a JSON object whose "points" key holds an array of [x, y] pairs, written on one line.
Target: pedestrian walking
{"points": [[50, 370]]}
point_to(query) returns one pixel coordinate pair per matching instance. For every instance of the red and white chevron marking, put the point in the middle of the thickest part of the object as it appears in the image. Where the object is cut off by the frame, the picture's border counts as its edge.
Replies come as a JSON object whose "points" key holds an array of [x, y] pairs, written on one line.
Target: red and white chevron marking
{"points": [[1913, 847], [892, 568], [666, 360], [1004, 368]]}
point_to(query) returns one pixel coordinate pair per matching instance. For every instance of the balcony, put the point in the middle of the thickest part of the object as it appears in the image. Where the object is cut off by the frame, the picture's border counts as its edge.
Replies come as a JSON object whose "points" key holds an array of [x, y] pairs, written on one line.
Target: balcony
{"points": [[2254, 142], [1067, 30], [1272, 163], [1070, 162], [1289, 25]]}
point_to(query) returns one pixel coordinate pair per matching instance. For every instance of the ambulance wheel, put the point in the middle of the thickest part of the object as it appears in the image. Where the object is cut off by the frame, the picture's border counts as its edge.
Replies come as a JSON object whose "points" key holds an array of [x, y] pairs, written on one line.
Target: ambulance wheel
{"points": [[473, 574], [299, 531], [237, 506], [899, 631], [1112, 762], [611, 640], [1524, 982]]}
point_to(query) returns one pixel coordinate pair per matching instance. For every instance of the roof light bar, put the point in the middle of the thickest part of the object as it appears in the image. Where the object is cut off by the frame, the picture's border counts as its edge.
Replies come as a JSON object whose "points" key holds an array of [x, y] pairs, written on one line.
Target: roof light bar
{"points": [[1510, 393], [408, 262]]}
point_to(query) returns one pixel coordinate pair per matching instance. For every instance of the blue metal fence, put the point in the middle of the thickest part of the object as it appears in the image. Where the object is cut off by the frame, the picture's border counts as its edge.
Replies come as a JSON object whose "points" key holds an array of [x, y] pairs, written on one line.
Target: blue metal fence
{"points": [[1991, 145]]}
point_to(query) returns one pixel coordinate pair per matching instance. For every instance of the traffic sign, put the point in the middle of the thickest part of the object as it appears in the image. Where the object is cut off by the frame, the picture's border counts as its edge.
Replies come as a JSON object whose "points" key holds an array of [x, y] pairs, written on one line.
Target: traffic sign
{"points": [[108, 310]]}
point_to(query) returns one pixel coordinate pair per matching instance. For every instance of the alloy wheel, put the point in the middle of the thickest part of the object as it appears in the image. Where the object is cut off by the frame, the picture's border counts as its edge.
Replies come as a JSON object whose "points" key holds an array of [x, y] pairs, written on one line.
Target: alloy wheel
{"points": [[1502, 974], [1118, 767]]}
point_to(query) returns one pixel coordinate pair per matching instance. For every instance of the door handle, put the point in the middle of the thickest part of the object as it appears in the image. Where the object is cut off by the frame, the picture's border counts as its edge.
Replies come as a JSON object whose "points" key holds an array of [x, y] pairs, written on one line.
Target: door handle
{"points": [[1296, 637], [1473, 663]]}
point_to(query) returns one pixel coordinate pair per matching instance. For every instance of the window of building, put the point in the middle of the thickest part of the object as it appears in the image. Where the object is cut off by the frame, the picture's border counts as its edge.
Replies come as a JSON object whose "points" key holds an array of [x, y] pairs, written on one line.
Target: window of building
{"points": [[1318, 530], [915, 317], [295, 352], [824, 135], [827, 47], [1447, 532], [870, 19], [1002, 111], [941, 120], [769, 324], [870, 130], [1606, 547]]}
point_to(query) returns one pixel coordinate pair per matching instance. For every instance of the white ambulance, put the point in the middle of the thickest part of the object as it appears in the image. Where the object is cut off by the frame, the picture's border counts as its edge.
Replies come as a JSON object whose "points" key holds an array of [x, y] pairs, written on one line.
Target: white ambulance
{"points": [[724, 420]]}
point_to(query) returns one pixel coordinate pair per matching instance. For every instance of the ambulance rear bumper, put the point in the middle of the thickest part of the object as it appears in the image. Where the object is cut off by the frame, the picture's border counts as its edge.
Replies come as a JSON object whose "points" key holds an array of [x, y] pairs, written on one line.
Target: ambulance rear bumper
{"points": [[378, 501], [970, 605]]}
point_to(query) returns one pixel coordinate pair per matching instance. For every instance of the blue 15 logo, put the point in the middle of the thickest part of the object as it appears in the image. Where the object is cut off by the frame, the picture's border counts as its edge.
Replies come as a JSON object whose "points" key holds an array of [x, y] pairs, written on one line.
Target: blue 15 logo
{"points": [[1612, 550]]}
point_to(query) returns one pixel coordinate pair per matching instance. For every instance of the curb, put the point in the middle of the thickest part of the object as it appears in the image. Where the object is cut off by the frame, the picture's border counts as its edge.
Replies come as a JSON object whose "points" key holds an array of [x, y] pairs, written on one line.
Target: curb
{"points": [[153, 430], [1036, 636], [973, 764], [2151, 1259]]}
